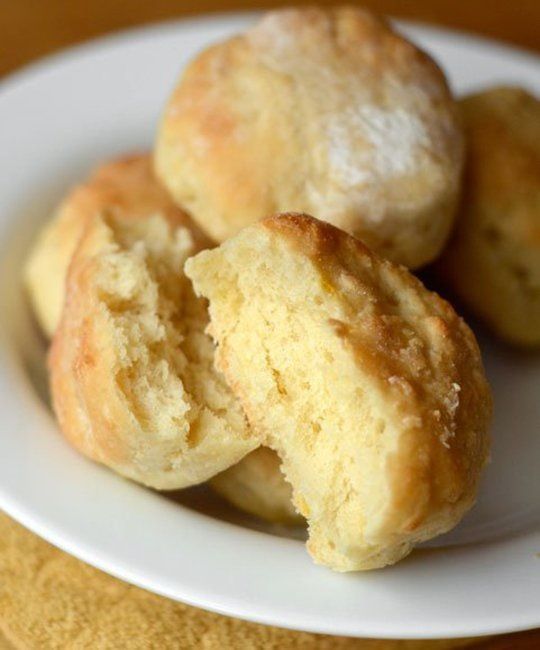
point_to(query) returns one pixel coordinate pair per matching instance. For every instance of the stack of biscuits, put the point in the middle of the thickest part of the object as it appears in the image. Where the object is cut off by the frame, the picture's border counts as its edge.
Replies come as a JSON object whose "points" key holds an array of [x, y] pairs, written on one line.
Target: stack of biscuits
{"points": [[238, 306]]}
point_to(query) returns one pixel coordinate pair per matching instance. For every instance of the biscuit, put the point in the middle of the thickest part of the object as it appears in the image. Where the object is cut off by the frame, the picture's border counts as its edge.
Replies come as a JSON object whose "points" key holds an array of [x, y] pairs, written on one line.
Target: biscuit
{"points": [[131, 368], [369, 387], [492, 263], [125, 186], [326, 111], [257, 486]]}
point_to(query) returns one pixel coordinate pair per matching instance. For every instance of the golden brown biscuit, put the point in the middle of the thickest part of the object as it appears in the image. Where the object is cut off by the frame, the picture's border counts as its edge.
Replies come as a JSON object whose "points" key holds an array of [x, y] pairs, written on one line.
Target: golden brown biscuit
{"points": [[370, 388], [327, 111], [257, 486], [132, 375], [125, 186], [492, 262]]}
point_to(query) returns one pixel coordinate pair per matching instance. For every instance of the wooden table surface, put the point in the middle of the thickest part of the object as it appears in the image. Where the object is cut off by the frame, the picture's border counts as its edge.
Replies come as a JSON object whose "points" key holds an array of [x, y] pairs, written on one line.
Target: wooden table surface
{"points": [[30, 29]]}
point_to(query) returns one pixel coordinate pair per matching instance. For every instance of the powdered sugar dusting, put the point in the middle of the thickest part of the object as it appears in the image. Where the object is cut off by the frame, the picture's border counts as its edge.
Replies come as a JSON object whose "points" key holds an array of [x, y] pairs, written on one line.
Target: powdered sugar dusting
{"points": [[368, 144], [372, 127]]}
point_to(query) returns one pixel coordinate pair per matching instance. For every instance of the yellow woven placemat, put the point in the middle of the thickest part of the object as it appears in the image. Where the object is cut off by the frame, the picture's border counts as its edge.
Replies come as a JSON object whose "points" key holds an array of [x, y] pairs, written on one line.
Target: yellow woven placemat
{"points": [[49, 600]]}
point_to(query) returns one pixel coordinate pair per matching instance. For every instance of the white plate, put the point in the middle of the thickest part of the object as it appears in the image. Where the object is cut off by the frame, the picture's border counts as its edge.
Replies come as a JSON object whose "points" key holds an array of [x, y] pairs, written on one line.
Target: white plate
{"points": [[64, 115]]}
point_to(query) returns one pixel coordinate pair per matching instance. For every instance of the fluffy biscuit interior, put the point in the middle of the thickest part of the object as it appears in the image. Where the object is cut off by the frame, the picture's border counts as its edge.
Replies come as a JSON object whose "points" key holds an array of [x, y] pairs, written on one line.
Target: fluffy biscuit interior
{"points": [[277, 318], [162, 360], [125, 187]]}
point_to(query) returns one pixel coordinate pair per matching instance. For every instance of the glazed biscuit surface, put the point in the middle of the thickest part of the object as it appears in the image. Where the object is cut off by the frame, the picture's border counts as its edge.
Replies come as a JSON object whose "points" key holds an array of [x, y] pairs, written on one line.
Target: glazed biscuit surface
{"points": [[492, 262], [131, 367], [327, 111], [369, 387], [124, 187]]}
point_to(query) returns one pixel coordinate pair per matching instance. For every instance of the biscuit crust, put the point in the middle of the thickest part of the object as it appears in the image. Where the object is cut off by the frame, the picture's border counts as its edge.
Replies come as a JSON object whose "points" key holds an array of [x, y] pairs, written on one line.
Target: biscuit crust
{"points": [[257, 486], [370, 388], [326, 111], [492, 262]]}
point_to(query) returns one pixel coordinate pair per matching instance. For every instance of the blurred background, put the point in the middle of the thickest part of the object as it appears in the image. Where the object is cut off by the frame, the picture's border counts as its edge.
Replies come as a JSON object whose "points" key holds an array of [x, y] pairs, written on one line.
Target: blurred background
{"points": [[30, 29]]}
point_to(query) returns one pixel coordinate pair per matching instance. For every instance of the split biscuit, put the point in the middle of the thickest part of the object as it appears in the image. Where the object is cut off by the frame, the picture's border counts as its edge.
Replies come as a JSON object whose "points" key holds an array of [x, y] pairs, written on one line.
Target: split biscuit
{"points": [[369, 387], [131, 368]]}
